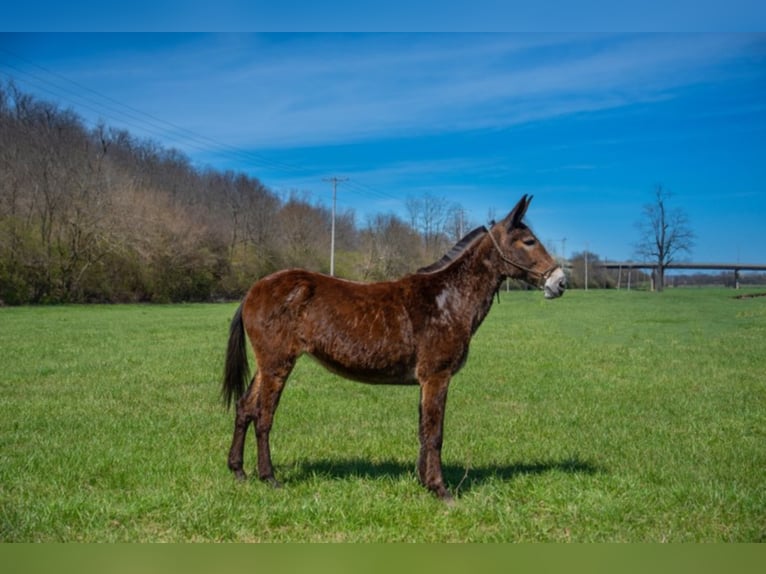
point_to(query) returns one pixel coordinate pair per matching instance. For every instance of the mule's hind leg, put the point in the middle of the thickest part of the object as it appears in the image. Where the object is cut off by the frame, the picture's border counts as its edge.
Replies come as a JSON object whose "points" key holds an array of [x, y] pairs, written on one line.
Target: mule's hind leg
{"points": [[269, 390], [242, 420], [257, 405]]}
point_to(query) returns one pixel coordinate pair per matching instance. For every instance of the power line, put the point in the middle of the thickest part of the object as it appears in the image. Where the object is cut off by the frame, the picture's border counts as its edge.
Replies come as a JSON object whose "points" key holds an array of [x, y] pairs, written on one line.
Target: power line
{"points": [[145, 121], [373, 192]]}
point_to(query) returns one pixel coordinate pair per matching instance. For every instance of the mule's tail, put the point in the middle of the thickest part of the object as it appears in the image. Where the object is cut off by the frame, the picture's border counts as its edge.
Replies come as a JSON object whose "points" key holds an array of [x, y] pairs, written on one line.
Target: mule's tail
{"points": [[237, 371]]}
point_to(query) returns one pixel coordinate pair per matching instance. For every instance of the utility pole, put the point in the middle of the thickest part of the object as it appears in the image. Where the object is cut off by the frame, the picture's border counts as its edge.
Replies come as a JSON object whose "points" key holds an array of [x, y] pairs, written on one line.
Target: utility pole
{"points": [[335, 181]]}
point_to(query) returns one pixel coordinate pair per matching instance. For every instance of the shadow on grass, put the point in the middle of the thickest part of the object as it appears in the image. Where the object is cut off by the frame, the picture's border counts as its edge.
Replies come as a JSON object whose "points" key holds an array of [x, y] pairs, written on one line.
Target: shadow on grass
{"points": [[459, 479]]}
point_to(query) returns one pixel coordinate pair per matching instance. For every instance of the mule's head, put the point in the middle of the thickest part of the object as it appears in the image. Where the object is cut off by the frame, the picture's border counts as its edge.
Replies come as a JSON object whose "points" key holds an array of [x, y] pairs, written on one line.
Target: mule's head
{"points": [[524, 256]]}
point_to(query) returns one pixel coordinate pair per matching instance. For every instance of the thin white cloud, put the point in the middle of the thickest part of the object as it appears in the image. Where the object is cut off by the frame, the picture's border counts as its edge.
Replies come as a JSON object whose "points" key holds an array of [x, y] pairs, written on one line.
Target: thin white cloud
{"points": [[291, 91], [327, 95]]}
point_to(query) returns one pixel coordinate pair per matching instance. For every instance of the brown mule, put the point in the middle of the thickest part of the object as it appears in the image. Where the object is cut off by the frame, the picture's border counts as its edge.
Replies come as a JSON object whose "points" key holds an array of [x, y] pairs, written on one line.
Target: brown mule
{"points": [[415, 330]]}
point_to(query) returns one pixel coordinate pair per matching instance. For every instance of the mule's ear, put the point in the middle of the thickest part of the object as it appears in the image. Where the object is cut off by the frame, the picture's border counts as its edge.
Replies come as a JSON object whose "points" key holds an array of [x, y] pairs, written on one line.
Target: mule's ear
{"points": [[514, 218]]}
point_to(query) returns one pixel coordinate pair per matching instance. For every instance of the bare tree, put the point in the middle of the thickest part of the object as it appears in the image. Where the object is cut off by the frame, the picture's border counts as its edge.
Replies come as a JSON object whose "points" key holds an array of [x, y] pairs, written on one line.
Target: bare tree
{"points": [[664, 234], [304, 231], [429, 215], [390, 248], [457, 223]]}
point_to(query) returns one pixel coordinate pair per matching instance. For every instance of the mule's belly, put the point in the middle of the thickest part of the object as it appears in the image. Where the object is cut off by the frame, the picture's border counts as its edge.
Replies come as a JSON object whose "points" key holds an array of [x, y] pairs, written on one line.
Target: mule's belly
{"points": [[364, 336], [397, 374]]}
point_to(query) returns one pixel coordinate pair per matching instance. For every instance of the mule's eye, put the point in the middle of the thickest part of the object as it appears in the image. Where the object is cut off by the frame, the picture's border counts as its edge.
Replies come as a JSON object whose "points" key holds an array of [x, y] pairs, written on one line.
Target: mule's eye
{"points": [[529, 241]]}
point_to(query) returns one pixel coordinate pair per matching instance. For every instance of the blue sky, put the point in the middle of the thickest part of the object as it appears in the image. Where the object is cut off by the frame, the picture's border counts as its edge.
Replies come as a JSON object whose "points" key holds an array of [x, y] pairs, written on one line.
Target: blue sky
{"points": [[588, 123]]}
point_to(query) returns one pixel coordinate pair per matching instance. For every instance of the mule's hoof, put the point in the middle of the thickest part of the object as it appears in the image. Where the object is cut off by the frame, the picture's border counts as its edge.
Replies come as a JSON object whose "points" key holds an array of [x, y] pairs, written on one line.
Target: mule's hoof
{"points": [[240, 475], [445, 496], [272, 481]]}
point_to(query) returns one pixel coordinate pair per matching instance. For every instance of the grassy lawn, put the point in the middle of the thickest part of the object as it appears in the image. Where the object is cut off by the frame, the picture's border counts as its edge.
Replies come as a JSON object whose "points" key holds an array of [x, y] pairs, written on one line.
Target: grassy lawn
{"points": [[602, 416]]}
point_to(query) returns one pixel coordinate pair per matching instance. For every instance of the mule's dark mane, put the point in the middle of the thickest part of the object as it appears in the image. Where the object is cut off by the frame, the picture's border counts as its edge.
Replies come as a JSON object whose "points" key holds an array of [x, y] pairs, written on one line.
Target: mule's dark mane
{"points": [[457, 250]]}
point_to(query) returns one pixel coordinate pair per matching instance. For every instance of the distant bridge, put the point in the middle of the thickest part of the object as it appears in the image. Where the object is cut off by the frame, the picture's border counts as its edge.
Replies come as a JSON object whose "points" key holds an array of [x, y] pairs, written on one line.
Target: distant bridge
{"points": [[735, 267]]}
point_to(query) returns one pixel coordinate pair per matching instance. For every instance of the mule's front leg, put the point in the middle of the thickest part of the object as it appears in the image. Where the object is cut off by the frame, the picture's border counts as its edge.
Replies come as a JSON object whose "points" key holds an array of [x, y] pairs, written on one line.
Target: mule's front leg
{"points": [[433, 400]]}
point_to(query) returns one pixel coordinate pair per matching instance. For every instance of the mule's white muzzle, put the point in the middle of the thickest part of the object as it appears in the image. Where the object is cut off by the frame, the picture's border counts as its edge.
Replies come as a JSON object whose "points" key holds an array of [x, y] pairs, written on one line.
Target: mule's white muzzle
{"points": [[556, 284]]}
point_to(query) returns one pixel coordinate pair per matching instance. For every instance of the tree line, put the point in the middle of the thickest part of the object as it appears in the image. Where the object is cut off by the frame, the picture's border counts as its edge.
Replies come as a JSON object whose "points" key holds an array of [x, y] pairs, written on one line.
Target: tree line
{"points": [[98, 215]]}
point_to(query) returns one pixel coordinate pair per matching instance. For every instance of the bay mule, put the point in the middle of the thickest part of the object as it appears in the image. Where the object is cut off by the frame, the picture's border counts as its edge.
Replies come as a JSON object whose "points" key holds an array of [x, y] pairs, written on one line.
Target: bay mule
{"points": [[415, 330]]}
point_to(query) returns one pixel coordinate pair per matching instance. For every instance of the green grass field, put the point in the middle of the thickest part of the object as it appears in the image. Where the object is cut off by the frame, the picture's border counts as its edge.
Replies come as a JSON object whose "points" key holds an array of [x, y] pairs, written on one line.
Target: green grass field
{"points": [[602, 416]]}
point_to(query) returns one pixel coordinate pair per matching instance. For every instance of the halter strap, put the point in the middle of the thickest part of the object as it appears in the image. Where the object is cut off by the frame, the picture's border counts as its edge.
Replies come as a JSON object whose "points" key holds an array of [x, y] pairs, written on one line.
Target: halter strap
{"points": [[542, 276]]}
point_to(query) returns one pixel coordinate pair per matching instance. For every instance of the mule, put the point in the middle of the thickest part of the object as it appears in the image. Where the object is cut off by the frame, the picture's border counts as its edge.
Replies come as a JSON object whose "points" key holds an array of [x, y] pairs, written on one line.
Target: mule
{"points": [[415, 330]]}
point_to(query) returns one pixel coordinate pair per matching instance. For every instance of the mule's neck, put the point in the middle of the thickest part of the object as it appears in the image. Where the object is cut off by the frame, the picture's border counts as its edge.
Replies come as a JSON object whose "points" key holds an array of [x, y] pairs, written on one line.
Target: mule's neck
{"points": [[475, 279]]}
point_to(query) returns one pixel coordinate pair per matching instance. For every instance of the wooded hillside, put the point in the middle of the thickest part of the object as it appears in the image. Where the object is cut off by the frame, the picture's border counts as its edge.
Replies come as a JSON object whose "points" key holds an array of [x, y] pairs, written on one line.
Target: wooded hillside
{"points": [[96, 214]]}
